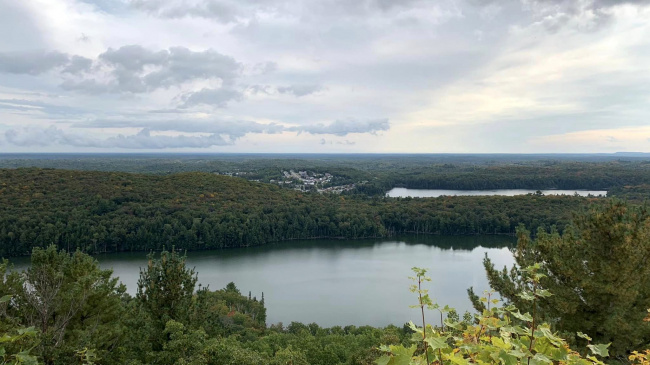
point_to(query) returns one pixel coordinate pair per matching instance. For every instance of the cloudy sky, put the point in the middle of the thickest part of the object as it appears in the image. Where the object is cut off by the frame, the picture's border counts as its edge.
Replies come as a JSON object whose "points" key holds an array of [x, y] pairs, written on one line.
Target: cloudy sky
{"points": [[417, 76]]}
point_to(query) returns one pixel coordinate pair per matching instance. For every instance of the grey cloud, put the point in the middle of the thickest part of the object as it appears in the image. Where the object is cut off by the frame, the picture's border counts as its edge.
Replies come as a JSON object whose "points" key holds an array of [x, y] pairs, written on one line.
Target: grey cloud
{"points": [[87, 86], [31, 63], [323, 141], [295, 90], [595, 3], [39, 106], [214, 97], [216, 133], [237, 129], [34, 136], [300, 90], [128, 69], [108, 6], [345, 127], [133, 57], [28, 137], [77, 65], [144, 140], [238, 11], [233, 129], [222, 11], [260, 89], [19, 28]]}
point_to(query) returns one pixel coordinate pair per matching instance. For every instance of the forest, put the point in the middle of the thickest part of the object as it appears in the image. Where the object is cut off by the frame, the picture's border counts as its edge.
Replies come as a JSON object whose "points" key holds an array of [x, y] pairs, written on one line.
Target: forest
{"points": [[553, 309], [65, 309], [375, 174], [100, 212]]}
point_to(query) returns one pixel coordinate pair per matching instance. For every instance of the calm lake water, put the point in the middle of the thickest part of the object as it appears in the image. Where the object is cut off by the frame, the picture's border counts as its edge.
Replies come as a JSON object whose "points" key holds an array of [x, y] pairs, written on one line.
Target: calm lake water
{"points": [[433, 193], [359, 282]]}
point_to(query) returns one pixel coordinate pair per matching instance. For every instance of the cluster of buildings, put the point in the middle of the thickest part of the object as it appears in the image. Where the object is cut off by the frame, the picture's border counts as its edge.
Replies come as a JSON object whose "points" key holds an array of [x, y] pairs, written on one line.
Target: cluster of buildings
{"points": [[302, 181], [306, 181]]}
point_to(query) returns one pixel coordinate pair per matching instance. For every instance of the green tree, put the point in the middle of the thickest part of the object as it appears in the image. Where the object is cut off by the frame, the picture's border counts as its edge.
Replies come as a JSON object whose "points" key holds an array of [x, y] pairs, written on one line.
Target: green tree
{"points": [[165, 292], [597, 270], [71, 302]]}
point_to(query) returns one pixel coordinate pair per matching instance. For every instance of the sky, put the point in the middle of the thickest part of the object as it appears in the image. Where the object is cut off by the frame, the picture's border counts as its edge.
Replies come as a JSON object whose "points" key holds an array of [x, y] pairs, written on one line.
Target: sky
{"points": [[325, 76]]}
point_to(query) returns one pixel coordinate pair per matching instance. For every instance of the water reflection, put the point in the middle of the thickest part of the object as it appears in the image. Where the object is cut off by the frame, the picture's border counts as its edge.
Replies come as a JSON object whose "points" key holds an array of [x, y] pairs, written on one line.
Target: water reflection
{"points": [[434, 193], [334, 282]]}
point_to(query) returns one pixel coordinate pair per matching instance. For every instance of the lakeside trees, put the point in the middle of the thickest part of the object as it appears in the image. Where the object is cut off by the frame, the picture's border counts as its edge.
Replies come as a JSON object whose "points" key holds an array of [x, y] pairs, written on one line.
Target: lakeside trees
{"points": [[589, 284], [79, 316], [109, 212]]}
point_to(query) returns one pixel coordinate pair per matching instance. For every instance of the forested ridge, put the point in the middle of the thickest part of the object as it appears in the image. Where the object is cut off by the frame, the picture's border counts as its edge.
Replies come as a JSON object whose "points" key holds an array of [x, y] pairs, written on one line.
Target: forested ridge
{"points": [[376, 174], [114, 211]]}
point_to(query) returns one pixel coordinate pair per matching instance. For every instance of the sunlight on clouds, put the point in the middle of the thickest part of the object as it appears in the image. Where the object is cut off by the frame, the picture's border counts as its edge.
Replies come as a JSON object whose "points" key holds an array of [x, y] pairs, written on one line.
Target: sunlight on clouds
{"points": [[450, 76], [554, 75], [599, 140]]}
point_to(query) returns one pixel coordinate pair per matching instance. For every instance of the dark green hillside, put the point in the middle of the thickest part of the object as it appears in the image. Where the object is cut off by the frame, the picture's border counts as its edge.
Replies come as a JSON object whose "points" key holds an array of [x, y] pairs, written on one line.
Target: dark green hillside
{"points": [[111, 211]]}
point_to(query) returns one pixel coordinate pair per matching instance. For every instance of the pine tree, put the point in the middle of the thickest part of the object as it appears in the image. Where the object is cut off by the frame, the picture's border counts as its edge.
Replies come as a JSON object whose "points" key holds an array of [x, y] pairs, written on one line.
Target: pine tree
{"points": [[597, 270], [165, 291]]}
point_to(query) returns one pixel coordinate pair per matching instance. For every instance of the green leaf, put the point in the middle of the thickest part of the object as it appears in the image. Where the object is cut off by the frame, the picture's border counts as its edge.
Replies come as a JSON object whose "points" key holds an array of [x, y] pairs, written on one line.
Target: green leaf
{"points": [[402, 355], [437, 342], [451, 324], [384, 360], [559, 354], [555, 340], [415, 328], [524, 317], [600, 349], [500, 343], [543, 293], [458, 360], [5, 298], [542, 359], [582, 335], [507, 358], [528, 296]]}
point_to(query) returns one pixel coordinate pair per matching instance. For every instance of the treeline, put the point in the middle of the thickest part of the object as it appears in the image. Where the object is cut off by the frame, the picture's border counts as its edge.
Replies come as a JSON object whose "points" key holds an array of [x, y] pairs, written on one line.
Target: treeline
{"points": [[64, 309], [109, 212], [559, 175], [380, 172]]}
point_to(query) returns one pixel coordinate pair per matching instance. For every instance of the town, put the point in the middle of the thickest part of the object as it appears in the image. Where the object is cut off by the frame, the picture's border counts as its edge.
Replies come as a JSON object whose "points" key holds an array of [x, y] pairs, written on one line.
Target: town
{"points": [[311, 181]]}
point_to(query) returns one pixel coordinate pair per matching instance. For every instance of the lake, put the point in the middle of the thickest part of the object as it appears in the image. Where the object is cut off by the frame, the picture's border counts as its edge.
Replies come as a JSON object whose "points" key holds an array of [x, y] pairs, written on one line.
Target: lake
{"points": [[332, 282], [433, 193]]}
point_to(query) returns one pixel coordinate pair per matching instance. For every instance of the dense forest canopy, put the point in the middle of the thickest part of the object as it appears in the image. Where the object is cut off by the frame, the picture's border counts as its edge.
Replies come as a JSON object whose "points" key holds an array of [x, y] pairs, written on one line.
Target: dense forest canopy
{"points": [[115, 211], [375, 174]]}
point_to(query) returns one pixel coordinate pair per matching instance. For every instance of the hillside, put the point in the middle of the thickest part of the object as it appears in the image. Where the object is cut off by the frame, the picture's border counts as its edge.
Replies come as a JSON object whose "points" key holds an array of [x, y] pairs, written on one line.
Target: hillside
{"points": [[112, 211]]}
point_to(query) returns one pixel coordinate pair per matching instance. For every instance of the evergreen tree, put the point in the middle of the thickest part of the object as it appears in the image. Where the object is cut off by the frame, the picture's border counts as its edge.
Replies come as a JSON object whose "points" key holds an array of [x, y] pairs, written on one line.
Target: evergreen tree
{"points": [[165, 291], [70, 301], [597, 270]]}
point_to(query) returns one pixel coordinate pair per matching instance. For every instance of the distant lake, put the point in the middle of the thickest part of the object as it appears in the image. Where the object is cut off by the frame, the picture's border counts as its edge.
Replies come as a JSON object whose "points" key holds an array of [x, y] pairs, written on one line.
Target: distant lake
{"points": [[332, 282], [433, 193]]}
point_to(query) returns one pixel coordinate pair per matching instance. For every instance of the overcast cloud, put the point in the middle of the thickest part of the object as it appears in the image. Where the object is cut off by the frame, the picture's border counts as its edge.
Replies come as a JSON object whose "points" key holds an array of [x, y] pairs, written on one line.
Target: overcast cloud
{"points": [[325, 75]]}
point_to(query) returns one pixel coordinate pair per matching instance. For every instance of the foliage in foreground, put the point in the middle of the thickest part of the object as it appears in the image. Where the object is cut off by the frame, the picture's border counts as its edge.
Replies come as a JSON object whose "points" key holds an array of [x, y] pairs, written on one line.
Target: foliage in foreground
{"points": [[500, 335], [65, 310], [598, 272]]}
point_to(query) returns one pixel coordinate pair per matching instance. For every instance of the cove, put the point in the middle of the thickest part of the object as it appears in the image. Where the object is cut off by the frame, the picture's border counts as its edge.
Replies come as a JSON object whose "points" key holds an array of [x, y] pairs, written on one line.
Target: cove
{"points": [[339, 282], [434, 193]]}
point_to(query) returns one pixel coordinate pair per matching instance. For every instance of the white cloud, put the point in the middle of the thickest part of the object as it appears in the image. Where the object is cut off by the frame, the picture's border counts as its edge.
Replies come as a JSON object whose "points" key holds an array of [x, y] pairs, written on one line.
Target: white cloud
{"points": [[468, 75]]}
